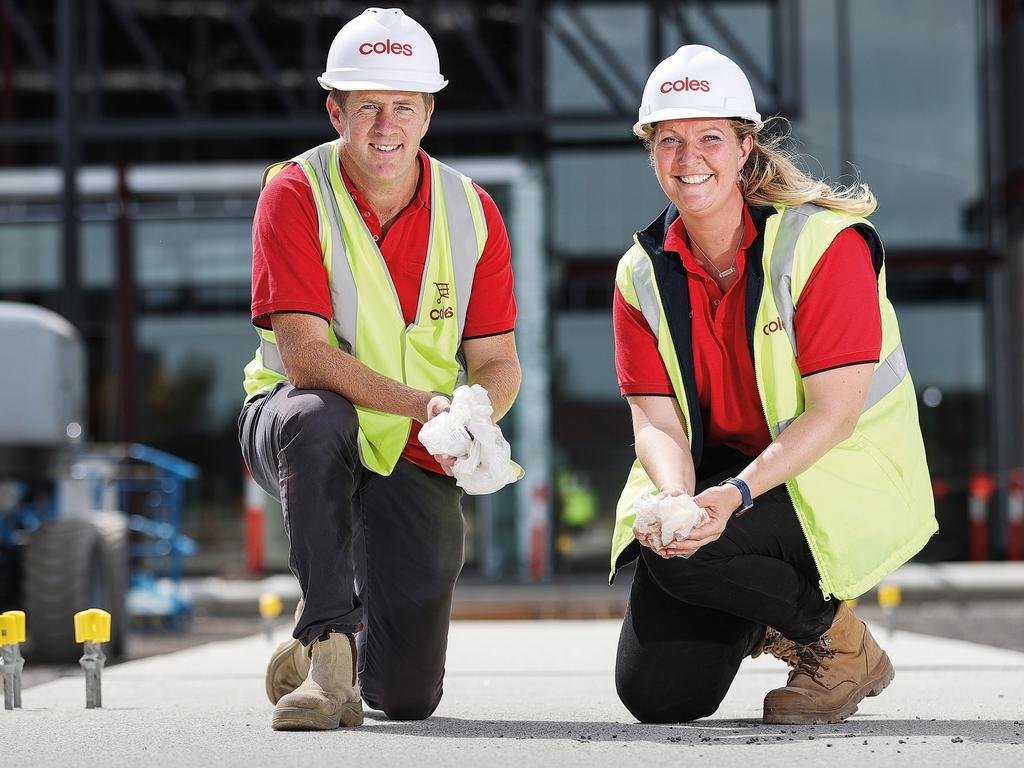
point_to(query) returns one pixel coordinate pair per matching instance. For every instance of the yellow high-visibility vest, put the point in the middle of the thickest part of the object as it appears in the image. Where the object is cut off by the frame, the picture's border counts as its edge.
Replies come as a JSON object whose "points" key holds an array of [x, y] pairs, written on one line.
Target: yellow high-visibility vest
{"points": [[866, 506], [367, 317]]}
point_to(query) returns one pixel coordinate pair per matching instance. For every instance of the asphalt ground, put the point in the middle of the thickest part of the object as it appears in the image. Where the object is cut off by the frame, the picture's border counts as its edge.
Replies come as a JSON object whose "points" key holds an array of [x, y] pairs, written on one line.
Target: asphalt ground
{"points": [[523, 693]]}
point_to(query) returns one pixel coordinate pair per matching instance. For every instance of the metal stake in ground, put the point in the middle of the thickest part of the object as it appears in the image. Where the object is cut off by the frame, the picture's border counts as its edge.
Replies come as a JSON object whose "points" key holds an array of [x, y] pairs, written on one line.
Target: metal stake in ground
{"points": [[92, 629], [13, 662]]}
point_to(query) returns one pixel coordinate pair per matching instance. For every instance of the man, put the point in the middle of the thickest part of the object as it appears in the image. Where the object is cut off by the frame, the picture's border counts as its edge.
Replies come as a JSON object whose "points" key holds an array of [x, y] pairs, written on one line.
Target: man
{"points": [[381, 280]]}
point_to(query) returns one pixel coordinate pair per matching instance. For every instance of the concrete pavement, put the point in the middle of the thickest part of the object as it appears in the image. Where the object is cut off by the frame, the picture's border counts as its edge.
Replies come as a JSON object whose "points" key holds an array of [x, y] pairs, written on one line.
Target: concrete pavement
{"points": [[522, 693]]}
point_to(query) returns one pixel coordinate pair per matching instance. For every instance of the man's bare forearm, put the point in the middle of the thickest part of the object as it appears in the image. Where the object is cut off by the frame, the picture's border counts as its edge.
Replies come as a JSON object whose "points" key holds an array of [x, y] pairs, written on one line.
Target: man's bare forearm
{"points": [[316, 364], [501, 379]]}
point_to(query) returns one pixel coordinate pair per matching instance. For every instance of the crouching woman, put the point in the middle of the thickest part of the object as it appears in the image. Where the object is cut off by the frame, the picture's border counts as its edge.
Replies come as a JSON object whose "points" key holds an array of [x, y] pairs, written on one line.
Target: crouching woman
{"points": [[764, 372]]}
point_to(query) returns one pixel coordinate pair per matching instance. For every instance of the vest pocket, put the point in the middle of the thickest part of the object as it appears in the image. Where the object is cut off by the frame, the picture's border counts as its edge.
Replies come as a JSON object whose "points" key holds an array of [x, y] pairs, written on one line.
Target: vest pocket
{"points": [[885, 464]]}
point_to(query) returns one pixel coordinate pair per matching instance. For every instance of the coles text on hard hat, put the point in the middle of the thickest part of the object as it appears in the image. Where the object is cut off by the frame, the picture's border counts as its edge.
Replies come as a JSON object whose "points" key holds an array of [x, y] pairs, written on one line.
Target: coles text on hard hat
{"points": [[686, 84], [403, 49]]}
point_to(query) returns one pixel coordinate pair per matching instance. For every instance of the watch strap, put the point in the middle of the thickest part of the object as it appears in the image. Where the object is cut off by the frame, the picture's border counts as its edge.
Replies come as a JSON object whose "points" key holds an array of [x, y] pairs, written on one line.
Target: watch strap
{"points": [[747, 500]]}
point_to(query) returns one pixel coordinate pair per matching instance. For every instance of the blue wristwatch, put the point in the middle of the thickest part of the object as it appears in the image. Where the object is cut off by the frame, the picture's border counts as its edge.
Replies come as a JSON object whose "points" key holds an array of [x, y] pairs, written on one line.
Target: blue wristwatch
{"points": [[744, 490]]}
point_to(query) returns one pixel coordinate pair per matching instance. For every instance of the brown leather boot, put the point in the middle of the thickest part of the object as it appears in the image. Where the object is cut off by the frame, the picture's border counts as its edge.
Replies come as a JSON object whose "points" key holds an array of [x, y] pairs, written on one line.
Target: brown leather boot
{"points": [[328, 697], [774, 644], [288, 666], [832, 675]]}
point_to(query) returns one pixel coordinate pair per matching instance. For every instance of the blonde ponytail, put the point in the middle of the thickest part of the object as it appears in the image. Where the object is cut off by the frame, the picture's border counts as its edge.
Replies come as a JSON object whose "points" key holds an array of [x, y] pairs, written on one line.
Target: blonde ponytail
{"points": [[771, 177]]}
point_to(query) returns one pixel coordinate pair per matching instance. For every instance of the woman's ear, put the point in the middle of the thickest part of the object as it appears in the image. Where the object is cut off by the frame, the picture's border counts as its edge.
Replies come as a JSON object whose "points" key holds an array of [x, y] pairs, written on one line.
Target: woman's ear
{"points": [[746, 147]]}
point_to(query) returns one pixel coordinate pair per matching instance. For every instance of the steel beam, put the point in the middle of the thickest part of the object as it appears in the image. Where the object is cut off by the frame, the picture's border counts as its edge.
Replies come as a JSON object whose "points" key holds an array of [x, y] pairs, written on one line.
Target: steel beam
{"points": [[593, 37], [23, 30], [582, 57], [148, 52], [262, 56], [484, 60], [67, 61]]}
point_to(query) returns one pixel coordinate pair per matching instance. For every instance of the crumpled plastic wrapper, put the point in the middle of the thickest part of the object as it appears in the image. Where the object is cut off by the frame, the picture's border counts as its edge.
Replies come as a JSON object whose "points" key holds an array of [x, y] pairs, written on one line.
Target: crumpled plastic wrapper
{"points": [[668, 516], [466, 432]]}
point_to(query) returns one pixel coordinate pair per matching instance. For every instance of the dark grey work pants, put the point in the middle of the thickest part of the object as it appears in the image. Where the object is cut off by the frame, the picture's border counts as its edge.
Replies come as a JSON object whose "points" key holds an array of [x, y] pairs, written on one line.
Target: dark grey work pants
{"points": [[690, 622], [374, 555]]}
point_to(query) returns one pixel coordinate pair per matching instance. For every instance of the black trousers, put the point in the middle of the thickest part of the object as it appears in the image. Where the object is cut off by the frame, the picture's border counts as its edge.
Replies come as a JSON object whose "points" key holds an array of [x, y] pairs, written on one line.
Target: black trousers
{"points": [[374, 555], [690, 622]]}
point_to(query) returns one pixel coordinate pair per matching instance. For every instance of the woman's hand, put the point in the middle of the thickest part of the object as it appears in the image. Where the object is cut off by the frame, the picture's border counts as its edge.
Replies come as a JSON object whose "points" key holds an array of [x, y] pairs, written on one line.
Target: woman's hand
{"points": [[719, 502]]}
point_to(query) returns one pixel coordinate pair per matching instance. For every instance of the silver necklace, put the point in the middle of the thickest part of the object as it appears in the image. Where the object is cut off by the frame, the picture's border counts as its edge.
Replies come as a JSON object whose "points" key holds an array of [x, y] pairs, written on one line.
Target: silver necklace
{"points": [[710, 263]]}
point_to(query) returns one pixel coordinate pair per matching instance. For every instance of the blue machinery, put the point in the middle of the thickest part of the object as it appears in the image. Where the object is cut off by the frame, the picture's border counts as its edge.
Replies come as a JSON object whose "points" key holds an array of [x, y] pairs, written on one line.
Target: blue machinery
{"points": [[149, 486]]}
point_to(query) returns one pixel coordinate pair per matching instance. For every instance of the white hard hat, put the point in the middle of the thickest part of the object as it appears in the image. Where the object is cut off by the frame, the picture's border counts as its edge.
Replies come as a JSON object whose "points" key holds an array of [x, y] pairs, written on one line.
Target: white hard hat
{"points": [[383, 50], [696, 81]]}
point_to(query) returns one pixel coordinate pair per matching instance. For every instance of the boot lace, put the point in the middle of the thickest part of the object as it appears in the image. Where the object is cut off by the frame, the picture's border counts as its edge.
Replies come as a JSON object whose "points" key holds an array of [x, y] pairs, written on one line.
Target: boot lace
{"points": [[781, 647], [812, 659]]}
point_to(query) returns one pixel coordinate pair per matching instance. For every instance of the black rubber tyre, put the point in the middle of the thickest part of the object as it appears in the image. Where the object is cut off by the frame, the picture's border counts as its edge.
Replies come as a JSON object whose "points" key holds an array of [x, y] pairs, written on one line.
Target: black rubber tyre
{"points": [[65, 571], [10, 579], [114, 543]]}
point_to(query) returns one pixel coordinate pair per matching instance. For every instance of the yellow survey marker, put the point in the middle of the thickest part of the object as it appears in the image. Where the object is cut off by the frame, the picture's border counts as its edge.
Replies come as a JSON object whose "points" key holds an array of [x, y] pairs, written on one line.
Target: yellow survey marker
{"points": [[270, 605], [889, 595], [8, 630], [19, 625], [92, 626]]}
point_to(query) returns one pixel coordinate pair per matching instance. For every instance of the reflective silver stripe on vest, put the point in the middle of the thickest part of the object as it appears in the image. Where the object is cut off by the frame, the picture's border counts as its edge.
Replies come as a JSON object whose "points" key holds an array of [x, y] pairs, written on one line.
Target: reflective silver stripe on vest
{"points": [[344, 298], [461, 234], [646, 293], [885, 379], [271, 357], [783, 255]]}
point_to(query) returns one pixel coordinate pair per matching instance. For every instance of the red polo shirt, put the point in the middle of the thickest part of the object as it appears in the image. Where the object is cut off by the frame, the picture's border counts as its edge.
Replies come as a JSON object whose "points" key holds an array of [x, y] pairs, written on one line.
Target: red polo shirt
{"points": [[837, 322], [288, 272]]}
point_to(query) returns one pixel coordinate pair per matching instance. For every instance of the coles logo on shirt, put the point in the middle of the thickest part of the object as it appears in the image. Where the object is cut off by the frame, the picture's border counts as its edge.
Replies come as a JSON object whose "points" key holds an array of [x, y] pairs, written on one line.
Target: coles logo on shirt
{"points": [[398, 49], [686, 84]]}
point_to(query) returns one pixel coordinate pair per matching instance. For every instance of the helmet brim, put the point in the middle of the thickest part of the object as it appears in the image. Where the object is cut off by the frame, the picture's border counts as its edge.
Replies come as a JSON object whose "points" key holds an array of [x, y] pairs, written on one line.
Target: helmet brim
{"points": [[686, 113], [329, 83]]}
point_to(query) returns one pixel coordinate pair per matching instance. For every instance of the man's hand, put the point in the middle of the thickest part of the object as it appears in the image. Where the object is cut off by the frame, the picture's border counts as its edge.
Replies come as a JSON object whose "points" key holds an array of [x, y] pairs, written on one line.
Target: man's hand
{"points": [[719, 502], [441, 404], [437, 404]]}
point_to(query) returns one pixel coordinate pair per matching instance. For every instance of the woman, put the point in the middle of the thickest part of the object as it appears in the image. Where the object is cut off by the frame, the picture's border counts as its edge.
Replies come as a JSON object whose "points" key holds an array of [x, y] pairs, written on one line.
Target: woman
{"points": [[763, 368]]}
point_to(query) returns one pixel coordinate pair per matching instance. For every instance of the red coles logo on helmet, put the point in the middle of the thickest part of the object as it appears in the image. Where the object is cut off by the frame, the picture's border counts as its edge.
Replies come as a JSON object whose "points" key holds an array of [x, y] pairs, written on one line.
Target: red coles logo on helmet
{"points": [[686, 84], [398, 49]]}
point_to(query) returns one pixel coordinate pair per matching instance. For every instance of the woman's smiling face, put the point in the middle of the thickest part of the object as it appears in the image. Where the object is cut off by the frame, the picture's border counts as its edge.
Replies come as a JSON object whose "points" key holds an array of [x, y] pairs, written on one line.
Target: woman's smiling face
{"points": [[697, 162]]}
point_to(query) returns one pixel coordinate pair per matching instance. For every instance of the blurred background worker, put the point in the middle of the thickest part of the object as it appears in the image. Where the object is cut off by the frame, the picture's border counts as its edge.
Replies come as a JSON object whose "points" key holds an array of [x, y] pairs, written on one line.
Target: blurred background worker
{"points": [[381, 279], [765, 375]]}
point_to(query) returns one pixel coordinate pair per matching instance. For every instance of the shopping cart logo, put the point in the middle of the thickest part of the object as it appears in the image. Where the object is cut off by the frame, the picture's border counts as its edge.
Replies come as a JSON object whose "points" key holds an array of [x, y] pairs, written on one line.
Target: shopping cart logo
{"points": [[443, 292]]}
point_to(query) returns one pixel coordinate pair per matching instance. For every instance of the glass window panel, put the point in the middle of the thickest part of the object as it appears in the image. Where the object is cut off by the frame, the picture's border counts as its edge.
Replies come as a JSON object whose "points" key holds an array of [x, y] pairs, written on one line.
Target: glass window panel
{"points": [[98, 254], [585, 354], [171, 253], [623, 28], [214, 347], [30, 256], [592, 217], [916, 116]]}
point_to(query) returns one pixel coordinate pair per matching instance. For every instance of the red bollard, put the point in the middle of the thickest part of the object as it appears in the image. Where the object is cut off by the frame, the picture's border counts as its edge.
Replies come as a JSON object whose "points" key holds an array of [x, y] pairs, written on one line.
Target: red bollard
{"points": [[979, 493], [1015, 515], [255, 504]]}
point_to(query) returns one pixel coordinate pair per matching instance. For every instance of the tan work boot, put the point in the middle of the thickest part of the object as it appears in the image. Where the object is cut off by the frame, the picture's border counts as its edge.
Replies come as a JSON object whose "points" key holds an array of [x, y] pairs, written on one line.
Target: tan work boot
{"points": [[832, 675], [774, 644], [288, 666], [329, 696]]}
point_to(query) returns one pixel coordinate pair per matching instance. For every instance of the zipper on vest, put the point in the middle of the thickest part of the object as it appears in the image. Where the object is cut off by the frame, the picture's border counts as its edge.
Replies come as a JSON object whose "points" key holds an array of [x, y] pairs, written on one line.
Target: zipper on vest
{"points": [[405, 377], [823, 584]]}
